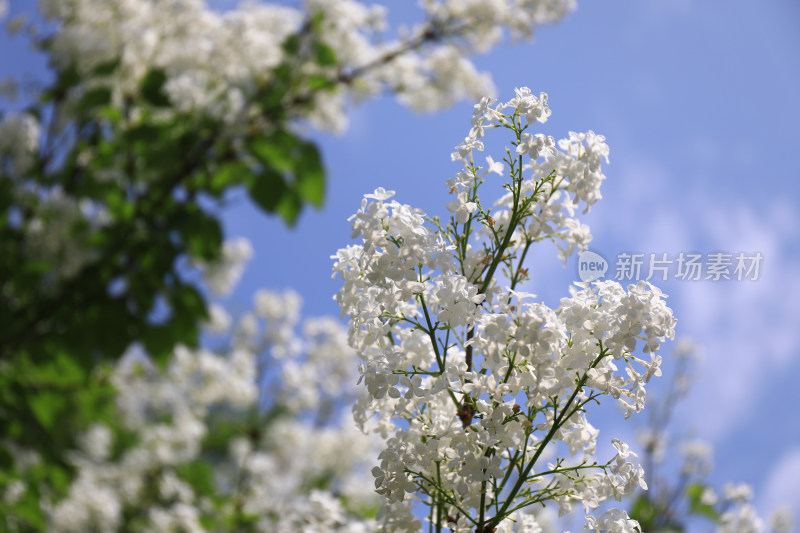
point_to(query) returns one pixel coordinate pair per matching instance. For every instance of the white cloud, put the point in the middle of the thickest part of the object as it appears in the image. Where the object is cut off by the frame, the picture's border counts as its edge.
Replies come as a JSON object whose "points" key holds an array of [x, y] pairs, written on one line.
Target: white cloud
{"points": [[781, 486], [747, 329]]}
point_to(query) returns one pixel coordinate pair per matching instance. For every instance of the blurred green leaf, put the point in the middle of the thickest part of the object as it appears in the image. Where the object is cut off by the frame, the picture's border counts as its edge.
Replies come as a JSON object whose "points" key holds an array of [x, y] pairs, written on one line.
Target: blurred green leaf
{"points": [[106, 68], [695, 494], [152, 88], [98, 97], [45, 406], [201, 232], [227, 175], [199, 475], [66, 79], [318, 82], [310, 175], [292, 44], [275, 151], [268, 189], [324, 55], [644, 512], [291, 173]]}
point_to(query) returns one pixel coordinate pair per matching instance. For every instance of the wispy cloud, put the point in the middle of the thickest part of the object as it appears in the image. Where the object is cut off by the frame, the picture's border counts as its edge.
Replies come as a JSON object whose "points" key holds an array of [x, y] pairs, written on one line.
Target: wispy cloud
{"points": [[781, 486], [747, 328]]}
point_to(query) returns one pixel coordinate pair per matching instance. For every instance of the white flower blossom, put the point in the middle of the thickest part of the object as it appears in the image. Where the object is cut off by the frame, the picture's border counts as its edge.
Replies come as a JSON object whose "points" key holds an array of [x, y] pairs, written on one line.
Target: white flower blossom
{"points": [[460, 376], [171, 412], [223, 274]]}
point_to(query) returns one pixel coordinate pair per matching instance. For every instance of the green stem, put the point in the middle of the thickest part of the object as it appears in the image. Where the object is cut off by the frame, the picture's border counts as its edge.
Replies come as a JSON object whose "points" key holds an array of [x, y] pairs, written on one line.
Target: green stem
{"points": [[512, 222], [557, 422], [431, 329], [442, 493], [438, 500]]}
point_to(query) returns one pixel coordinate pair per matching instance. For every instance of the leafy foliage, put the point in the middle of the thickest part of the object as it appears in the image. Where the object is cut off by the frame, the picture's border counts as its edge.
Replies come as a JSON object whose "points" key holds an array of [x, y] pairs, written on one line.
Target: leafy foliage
{"points": [[143, 176]]}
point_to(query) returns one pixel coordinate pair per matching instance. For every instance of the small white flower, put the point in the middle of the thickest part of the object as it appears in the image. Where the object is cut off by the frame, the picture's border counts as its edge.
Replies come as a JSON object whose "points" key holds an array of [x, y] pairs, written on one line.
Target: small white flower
{"points": [[461, 207]]}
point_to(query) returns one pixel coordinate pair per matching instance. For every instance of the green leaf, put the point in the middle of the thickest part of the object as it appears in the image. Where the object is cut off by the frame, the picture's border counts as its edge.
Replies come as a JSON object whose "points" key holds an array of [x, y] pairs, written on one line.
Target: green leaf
{"points": [[292, 44], [695, 493], [199, 475], [289, 208], [106, 68], [201, 233], [291, 174], [30, 511], [118, 205], [59, 480], [152, 88], [68, 77], [63, 368], [227, 175], [276, 150], [45, 406], [186, 308], [268, 188], [271, 96], [143, 132], [318, 82], [310, 175], [644, 512], [324, 54], [158, 342], [111, 114], [98, 97]]}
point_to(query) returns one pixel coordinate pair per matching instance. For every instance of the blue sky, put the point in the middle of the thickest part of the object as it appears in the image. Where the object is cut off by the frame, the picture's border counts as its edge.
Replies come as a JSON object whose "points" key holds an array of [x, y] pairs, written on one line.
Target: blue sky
{"points": [[698, 101]]}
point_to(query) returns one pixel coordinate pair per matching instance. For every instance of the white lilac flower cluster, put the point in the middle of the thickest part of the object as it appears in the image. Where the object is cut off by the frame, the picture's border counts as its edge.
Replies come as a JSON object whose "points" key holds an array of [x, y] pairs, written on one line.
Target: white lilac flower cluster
{"points": [[736, 510], [167, 414], [480, 391], [302, 471], [222, 275], [214, 60], [59, 230], [19, 142], [739, 515]]}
